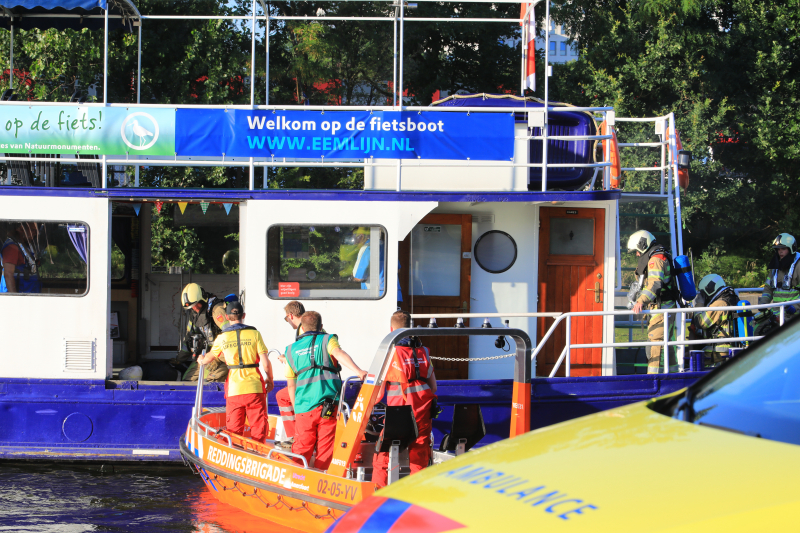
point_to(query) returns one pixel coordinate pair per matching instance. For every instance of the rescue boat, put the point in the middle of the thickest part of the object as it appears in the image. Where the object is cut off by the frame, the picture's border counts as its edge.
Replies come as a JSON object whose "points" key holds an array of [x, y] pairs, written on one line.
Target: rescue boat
{"points": [[275, 484]]}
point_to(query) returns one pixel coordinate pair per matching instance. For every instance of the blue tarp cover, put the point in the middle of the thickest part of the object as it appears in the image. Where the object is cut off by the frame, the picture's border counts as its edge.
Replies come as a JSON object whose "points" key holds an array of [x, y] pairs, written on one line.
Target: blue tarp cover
{"points": [[54, 4], [77, 10]]}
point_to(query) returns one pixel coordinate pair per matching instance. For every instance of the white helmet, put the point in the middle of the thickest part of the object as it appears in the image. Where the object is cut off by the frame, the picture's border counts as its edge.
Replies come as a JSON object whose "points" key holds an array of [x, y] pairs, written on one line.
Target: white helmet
{"points": [[784, 240], [711, 285], [640, 241], [132, 373]]}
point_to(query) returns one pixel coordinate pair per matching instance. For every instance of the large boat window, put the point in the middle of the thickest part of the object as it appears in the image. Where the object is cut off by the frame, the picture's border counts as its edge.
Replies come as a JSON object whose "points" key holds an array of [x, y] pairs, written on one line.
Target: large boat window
{"points": [[48, 258], [757, 394], [326, 262], [207, 241]]}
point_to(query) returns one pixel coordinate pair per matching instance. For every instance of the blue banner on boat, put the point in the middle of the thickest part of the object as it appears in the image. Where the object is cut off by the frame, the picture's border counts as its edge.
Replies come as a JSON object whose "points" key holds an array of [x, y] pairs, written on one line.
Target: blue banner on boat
{"points": [[345, 134]]}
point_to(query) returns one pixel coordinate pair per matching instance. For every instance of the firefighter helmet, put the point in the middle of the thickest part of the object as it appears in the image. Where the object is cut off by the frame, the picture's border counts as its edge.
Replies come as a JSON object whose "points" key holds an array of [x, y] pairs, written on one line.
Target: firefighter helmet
{"points": [[640, 241], [784, 240], [711, 285], [192, 294]]}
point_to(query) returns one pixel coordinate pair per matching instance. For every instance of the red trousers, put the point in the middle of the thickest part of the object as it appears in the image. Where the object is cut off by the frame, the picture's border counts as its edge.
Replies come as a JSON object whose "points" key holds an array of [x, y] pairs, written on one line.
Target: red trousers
{"points": [[419, 454], [312, 430], [287, 411], [252, 405]]}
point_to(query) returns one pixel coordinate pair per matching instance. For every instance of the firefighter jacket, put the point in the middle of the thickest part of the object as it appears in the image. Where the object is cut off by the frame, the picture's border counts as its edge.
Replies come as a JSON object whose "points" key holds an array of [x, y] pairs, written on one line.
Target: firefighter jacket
{"points": [[783, 280], [718, 324], [208, 323], [659, 290]]}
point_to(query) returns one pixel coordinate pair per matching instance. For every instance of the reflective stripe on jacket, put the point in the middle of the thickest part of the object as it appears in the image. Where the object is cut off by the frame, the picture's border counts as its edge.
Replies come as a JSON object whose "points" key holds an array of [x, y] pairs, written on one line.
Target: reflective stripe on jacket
{"points": [[782, 286], [317, 377], [717, 324], [402, 385], [660, 283]]}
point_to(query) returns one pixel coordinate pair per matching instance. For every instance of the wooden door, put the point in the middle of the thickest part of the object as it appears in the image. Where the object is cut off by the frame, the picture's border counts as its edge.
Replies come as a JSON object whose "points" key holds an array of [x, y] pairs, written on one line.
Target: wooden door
{"points": [[435, 264], [571, 254]]}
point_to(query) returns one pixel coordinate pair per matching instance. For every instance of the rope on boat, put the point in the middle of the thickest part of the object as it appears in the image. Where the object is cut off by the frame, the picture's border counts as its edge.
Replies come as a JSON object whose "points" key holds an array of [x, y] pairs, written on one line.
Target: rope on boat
{"points": [[471, 359], [278, 504]]}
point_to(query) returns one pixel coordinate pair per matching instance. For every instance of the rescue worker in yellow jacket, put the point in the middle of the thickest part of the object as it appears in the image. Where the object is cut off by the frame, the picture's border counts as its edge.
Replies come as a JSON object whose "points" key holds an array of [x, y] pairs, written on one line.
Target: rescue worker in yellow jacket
{"points": [[659, 291], [250, 377], [783, 277], [714, 324]]}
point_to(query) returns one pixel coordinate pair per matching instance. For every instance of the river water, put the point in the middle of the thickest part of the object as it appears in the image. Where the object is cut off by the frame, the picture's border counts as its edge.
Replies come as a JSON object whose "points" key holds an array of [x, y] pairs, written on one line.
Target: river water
{"points": [[45, 499]]}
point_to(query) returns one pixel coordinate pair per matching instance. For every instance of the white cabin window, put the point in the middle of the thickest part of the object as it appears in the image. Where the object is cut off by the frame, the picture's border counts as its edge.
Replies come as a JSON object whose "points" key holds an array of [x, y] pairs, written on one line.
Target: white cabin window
{"points": [[325, 261], [435, 260], [572, 236], [44, 258]]}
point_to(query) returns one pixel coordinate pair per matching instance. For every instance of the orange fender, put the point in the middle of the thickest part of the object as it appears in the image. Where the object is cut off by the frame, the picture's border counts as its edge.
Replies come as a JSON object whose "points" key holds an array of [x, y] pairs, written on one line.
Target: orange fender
{"points": [[616, 166], [683, 173]]}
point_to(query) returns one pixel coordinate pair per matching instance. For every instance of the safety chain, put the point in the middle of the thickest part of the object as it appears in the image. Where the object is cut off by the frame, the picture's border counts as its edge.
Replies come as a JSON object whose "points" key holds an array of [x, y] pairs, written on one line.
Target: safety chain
{"points": [[473, 358], [278, 504]]}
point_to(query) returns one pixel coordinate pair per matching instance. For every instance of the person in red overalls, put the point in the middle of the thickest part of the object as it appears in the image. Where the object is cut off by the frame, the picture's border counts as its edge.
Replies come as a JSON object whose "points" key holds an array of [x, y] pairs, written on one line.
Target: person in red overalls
{"points": [[410, 380], [294, 310]]}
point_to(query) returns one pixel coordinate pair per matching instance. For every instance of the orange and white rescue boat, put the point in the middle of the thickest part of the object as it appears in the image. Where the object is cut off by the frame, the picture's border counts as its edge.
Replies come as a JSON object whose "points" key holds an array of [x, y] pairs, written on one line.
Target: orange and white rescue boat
{"points": [[272, 483]]}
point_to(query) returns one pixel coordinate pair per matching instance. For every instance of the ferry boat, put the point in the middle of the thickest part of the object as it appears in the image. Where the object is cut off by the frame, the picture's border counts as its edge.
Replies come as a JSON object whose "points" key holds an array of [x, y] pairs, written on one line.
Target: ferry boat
{"points": [[470, 223]]}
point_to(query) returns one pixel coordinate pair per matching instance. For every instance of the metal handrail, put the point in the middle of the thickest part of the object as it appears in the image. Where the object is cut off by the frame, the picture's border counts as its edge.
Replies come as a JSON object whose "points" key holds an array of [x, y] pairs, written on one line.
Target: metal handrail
{"points": [[208, 429], [290, 454], [681, 342], [341, 398]]}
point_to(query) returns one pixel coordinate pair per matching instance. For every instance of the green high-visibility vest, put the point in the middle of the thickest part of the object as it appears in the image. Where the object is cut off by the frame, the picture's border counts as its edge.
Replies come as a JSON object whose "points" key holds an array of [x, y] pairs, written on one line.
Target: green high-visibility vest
{"points": [[317, 377]]}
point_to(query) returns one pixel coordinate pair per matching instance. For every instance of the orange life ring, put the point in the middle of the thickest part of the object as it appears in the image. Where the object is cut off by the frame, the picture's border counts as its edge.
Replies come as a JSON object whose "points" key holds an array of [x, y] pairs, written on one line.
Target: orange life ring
{"points": [[683, 173], [616, 166]]}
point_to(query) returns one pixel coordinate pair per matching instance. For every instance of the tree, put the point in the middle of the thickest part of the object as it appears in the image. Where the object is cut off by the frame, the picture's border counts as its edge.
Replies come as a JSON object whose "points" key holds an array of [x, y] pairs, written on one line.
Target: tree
{"points": [[728, 69]]}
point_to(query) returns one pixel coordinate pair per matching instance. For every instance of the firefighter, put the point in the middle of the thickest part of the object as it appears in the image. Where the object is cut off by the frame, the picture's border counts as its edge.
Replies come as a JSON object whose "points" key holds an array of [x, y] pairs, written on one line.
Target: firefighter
{"points": [[314, 383], [206, 318], [659, 291], [783, 280], [249, 377], [410, 380], [714, 324]]}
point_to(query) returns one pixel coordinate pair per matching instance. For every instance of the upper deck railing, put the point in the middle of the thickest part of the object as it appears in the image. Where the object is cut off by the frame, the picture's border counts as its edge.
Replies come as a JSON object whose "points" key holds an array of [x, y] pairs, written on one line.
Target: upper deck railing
{"points": [[260, 14]]}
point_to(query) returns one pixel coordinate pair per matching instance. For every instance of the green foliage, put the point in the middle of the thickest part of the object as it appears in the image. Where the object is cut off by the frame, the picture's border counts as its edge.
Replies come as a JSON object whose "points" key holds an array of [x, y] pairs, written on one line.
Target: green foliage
{"points": [[728, 70]]}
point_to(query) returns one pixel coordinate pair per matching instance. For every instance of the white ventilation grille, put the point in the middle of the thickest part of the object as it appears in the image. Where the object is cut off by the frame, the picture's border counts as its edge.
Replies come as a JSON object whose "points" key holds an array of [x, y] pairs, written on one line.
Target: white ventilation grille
{"points": [[483, 219], [78, 355]]}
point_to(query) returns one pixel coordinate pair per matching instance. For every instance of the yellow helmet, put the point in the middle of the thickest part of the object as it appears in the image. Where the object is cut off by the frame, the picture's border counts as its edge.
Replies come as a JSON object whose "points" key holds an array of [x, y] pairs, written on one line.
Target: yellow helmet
{"points": [[640, 241], [784, 240], [192, 293]]}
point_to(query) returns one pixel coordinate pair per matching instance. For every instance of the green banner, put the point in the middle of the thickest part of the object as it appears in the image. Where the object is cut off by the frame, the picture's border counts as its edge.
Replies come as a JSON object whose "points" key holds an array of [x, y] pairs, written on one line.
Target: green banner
{"points": [[87, 130]]}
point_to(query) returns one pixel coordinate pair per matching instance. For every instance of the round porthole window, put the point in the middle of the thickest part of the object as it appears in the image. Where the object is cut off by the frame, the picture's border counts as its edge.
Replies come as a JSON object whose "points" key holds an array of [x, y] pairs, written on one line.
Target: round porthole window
{"points": [[495, 251]]}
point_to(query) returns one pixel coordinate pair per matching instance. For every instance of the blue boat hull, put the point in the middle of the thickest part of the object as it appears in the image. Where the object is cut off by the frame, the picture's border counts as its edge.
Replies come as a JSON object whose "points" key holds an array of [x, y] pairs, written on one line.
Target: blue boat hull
{"points": [[110, 421]]}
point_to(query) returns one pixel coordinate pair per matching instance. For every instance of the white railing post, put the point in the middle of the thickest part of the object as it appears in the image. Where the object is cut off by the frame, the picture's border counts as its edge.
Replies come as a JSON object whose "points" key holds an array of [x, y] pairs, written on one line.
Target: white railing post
{"points": [[666, 343], [569, 340], [681, 352], [253, 58], [266, 72], [546, 94]]}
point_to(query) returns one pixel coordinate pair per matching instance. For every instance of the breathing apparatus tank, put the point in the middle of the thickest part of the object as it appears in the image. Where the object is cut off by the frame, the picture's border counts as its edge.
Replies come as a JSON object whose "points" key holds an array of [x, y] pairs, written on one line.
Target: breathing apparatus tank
{"points": [[684, 277]]}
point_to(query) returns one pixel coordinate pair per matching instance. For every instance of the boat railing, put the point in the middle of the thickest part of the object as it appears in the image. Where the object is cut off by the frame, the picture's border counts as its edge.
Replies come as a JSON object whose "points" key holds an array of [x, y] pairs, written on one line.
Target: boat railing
{"points": [[679, 314], [197, 410], [290, 454], [345, 450]]}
